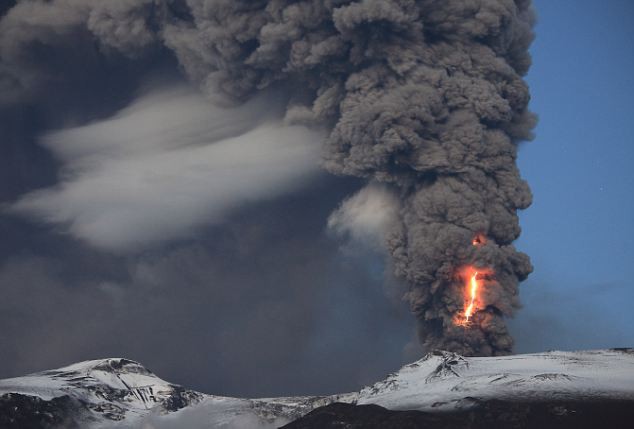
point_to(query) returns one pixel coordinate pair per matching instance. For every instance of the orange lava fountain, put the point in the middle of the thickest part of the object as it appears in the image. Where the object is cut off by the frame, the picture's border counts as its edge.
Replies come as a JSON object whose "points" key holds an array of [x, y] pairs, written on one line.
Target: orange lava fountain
{"points": [[473, 280]]}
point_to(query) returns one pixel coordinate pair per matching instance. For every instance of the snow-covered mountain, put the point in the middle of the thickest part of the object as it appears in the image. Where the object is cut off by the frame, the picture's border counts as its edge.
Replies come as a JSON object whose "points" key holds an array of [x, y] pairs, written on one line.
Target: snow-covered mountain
{"points": [[119, 393], [446, 381]]}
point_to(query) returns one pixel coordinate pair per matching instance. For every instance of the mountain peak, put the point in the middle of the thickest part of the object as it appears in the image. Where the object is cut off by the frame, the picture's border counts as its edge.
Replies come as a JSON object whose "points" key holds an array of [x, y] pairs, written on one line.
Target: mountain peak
{"points": [[121, 390], [114, 366], [113, 388]]}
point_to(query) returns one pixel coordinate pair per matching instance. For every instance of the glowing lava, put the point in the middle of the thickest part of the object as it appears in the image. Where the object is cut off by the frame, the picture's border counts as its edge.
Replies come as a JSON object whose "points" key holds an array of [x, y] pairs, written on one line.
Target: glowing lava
{"points": [[473, 292], [473, 278], [479, 240]]}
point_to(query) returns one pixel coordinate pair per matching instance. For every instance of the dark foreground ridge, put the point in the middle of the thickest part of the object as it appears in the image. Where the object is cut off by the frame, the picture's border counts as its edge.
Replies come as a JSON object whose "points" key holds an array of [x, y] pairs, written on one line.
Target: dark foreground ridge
{"points": [[609, 414], [31, 412]]}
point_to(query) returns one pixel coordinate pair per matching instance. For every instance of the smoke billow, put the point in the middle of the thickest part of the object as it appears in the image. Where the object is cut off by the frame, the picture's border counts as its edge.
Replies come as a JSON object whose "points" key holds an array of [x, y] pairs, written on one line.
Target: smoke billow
{"points": [[425, 96]]}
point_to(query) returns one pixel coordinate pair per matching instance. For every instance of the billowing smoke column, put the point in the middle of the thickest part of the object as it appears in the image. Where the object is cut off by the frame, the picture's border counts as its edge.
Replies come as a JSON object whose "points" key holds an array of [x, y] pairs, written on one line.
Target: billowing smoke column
{"points": [[426, 96]]}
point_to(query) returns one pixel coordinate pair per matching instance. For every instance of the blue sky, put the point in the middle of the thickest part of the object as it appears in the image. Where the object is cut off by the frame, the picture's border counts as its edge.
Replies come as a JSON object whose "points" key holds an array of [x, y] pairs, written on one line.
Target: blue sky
{"points": [[579, 231]]}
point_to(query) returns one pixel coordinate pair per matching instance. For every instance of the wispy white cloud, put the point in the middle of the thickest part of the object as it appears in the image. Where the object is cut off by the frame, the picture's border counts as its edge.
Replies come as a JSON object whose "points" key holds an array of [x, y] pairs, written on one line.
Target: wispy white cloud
{"points": [[169, 163], [365, 217]]}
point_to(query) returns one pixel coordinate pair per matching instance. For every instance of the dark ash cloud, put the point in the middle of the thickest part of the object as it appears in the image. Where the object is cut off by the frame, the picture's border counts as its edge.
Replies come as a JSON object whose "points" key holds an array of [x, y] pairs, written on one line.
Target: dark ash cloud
{"points": [[424, 97]]}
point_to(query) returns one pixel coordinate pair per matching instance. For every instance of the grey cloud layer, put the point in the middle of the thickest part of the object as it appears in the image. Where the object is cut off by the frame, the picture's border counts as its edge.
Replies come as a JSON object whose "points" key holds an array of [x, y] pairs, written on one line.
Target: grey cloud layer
{"points": [[424, 95], [261, 305]]}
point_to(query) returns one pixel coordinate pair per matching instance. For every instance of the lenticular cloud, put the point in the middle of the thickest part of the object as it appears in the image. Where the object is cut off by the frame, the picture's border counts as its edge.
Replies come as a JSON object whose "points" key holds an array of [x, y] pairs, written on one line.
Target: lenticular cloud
{"points": [[169, 163]]}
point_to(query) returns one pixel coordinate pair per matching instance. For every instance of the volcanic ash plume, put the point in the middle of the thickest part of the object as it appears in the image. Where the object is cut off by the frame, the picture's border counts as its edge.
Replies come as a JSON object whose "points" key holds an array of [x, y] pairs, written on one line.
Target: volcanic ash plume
{"points": [[425, 96]]}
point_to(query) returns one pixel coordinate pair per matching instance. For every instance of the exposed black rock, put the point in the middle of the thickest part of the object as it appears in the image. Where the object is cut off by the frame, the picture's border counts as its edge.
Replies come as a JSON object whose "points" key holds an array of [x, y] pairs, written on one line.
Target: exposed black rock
{"points": [[181, 398], [613, 414], [30, 412]]}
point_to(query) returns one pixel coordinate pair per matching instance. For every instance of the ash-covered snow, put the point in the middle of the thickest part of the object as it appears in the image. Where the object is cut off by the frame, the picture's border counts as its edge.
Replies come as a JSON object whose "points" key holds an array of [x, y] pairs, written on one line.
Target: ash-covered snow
{"points": [[119, 393]]}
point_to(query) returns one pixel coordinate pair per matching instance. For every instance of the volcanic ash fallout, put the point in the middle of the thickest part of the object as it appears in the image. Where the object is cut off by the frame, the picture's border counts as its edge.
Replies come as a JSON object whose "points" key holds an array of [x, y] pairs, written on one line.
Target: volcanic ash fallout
{"points": [[423, 96]]}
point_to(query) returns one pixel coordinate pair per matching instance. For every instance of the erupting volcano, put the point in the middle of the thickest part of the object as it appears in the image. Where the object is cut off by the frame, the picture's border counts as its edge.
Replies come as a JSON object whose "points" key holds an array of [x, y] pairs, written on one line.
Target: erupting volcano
{"points": [[425, 98]]}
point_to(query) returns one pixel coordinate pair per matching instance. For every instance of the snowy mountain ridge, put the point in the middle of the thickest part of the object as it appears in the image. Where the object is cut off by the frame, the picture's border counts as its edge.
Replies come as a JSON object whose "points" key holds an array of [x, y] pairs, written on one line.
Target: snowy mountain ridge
{"points": [[119, 393], [113, 389], [450, 381]]}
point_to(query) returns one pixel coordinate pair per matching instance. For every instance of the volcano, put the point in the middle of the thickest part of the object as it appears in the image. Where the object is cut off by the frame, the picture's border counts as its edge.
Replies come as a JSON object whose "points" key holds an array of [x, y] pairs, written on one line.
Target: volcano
{"points": [[553, 389]]}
